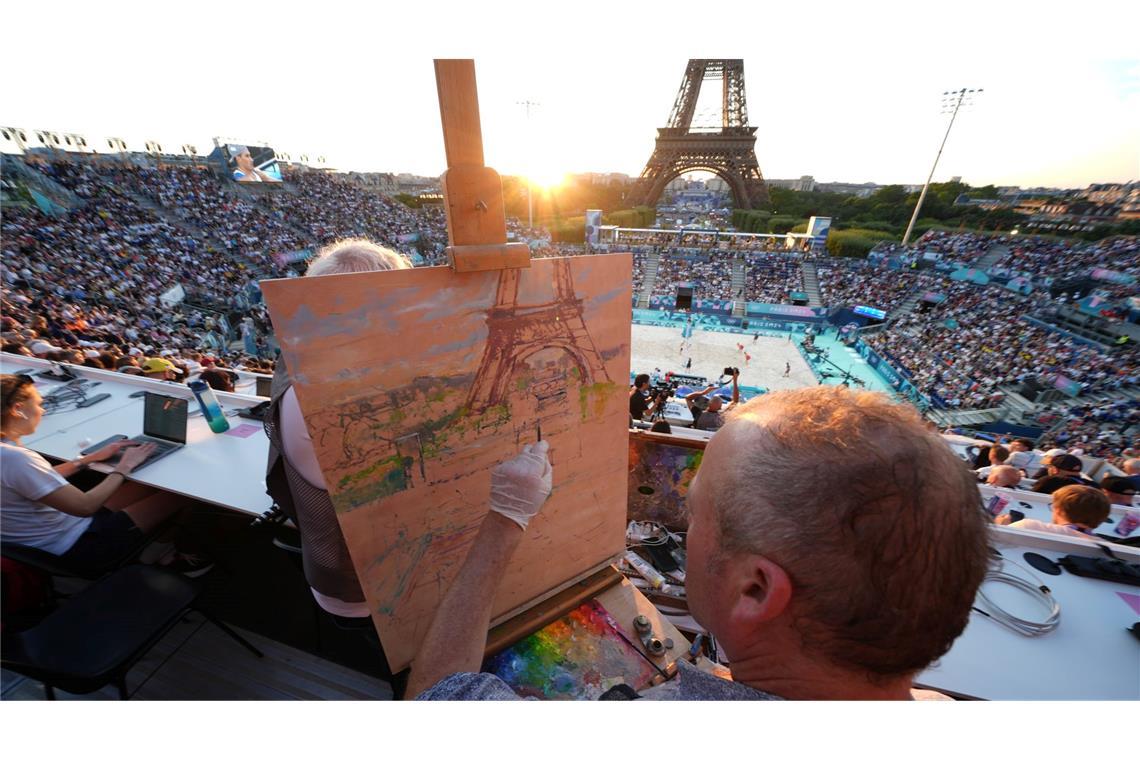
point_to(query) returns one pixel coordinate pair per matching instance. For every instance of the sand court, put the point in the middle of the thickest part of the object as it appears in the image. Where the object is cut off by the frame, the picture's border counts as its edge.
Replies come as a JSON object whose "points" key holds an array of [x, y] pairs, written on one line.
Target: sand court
{"points": [[656, 346]]}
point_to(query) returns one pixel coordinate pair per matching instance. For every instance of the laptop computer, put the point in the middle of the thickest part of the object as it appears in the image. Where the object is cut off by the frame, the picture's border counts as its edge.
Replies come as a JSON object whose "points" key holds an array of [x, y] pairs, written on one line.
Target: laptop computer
{"points": [[164, 425]]}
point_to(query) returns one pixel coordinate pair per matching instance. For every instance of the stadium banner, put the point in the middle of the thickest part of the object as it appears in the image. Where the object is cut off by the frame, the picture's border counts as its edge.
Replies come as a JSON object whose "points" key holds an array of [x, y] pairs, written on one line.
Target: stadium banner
{"points": [[45, 204], [593, 224], [1095, 304], [712, 306], [292, 257], [798, 295], [970, 275], [1022, 285], [1116, 278], [173, 296], [1066, 385], [888, 372], [868, 311], [251, 163], [931, 297], [758, 309], [408, 237], [818, 227]]}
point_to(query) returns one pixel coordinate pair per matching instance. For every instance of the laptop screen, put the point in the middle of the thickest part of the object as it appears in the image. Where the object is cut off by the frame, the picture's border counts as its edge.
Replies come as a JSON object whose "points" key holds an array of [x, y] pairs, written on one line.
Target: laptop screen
{"points": [[165, 417]]}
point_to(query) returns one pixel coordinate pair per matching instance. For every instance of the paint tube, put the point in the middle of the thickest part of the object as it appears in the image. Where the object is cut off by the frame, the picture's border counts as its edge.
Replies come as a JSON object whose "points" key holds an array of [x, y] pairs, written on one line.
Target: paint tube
{"points": [[646, 570]]}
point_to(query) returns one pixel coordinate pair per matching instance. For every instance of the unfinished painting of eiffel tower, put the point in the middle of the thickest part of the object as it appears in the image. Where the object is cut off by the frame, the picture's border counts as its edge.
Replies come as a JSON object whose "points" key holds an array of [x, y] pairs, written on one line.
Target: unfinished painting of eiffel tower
{"points": [[416, 383]]}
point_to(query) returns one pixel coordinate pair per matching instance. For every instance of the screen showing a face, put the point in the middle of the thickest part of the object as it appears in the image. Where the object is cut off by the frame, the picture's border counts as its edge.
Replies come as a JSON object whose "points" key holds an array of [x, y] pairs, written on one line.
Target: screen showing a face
{"points": [[250, 163], [165, 417]]}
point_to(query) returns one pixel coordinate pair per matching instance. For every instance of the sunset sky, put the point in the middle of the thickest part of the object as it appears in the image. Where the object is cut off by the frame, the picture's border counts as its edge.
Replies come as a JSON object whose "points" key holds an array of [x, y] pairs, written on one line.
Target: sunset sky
{"points": [[846, 92]]}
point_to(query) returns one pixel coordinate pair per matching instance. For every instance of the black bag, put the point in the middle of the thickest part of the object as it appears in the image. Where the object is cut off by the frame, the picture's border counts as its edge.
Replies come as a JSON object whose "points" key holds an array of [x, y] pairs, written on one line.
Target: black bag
{"points": [[1105, 568]]}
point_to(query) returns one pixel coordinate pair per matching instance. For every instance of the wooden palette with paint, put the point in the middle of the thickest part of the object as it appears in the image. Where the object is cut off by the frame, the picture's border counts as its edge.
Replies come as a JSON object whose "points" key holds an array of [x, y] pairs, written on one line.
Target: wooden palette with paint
{"points": [[415, 383]]}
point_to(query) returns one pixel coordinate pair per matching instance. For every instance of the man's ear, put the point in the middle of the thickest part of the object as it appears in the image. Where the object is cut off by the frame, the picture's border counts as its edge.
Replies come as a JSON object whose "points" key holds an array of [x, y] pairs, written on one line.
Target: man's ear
{"points": [[762, 590]]}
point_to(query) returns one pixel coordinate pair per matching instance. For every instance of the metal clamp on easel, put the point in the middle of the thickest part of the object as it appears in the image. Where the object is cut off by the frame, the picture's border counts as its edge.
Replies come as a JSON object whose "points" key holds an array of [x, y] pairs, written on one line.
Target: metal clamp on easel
{"points": [[653, 645], [472, 192]]}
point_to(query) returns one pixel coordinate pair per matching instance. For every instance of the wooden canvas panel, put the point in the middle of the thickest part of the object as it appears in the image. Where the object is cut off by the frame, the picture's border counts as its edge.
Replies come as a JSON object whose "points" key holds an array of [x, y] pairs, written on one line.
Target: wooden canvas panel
{"points": [[416, 383]]}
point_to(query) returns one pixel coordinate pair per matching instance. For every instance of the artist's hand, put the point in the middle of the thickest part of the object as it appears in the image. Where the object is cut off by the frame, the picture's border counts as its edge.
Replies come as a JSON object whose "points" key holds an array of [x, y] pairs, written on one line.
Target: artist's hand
{"points": [[1005, 519], [520, 486]]}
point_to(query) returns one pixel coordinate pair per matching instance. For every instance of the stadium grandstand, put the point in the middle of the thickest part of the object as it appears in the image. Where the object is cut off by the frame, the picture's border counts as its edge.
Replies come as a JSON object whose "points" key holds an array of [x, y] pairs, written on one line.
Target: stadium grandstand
{"points": [[137, 265], [154, 257]]}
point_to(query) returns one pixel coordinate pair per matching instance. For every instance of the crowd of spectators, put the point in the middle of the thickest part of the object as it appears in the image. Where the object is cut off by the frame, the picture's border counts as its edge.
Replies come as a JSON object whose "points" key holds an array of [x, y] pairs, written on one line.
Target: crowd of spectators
{"points": [[330, 207], [711, 275], [865, 283], [1109, 429], [965, 347], [770, 279]]}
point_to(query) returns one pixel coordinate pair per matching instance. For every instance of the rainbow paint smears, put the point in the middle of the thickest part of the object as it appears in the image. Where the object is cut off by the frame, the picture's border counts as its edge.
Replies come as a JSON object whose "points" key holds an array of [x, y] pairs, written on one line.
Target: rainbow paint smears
{"points": [[579, 656]]}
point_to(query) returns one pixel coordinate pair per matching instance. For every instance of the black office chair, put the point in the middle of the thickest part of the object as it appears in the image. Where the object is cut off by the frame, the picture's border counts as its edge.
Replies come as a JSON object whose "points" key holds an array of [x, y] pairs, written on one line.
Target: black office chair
{"points": [[96, 636]]}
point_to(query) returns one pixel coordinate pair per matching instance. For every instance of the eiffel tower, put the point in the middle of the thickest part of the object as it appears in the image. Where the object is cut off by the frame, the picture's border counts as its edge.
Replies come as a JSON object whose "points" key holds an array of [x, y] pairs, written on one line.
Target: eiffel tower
{"points": [[516, 332], [728, 152]]}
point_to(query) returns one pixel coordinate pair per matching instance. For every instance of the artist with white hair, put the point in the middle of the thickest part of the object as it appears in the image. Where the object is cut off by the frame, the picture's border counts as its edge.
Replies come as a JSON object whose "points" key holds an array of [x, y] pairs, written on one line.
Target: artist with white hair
{"points": [[293, 475], [834, 551]]}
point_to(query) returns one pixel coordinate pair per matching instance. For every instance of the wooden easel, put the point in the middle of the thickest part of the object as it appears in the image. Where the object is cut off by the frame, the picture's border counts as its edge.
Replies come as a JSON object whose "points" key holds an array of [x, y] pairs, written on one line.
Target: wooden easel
{"points": [[477, 233], [472, 192]]}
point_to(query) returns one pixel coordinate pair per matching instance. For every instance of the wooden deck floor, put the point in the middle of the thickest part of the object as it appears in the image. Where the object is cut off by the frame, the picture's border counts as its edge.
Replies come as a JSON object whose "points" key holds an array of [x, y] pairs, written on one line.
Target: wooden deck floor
{"points": [[196, 661]]}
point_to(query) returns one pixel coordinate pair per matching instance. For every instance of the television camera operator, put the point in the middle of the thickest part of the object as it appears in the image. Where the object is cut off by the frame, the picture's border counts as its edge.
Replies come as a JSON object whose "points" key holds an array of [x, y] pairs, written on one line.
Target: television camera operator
{"points": [[708, 413], [645, 400]]}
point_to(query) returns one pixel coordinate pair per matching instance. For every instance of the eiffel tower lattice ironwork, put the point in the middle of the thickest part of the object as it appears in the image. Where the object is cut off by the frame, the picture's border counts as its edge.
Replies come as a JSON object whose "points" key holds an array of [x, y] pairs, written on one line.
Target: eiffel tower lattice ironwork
{"points": [[728, 152], [515, 332]]}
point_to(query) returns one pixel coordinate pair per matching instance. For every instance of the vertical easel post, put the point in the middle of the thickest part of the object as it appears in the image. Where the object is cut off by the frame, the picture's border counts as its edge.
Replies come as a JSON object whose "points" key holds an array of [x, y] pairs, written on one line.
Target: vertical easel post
{"points": [[472, 192]]}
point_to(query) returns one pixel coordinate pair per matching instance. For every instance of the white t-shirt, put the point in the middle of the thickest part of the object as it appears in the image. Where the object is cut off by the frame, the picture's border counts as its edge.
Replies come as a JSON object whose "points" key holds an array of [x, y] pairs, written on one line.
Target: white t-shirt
{"points": [[26, 477], [298, 449], [297, 443], [1064, 530]]}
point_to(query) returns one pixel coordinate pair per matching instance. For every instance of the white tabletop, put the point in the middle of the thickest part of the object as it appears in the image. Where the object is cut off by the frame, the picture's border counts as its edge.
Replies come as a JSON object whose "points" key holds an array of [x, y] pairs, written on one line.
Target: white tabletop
{"points": [[1091, 655], [222, 469]]}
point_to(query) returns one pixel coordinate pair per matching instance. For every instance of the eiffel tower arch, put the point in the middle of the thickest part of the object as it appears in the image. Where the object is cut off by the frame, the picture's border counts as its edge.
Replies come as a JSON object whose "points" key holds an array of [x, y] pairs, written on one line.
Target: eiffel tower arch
{"points": [[516, 332], [728, 152]]}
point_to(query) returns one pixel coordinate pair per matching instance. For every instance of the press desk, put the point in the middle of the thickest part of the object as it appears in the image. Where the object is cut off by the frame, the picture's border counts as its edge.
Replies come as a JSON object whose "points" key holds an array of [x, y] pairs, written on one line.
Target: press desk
{"points": [[220, 469]]}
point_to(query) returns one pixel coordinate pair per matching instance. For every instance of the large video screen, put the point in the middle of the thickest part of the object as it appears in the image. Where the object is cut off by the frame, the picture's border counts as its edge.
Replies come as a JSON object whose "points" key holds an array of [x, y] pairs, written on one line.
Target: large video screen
{"points": [[250, 163]]}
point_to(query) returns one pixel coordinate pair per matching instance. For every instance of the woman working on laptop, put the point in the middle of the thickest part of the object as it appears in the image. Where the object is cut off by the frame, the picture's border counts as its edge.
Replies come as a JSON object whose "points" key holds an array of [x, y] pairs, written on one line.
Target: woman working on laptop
{"points": [[91, 529]]}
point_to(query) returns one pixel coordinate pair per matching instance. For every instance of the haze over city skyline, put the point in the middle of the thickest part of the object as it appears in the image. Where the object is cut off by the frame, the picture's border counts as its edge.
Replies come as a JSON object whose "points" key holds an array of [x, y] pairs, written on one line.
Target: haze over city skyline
{"points": [[840, 93]]}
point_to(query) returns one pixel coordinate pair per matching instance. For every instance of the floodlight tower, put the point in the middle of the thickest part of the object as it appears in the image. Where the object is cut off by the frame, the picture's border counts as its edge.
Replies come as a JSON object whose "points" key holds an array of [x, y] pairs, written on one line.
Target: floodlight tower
{"points": [[528, 104], [952, 100]]}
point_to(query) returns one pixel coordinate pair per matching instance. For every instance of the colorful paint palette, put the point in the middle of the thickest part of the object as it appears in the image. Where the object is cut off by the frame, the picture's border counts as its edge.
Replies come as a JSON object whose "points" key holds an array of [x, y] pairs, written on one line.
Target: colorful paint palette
{"points": [[578, 657]]}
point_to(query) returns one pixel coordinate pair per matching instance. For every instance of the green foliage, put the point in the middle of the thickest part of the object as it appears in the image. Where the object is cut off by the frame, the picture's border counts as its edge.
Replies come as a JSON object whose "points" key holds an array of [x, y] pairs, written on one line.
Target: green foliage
{"points": [[778, 225], [571, 230], [801, 227], [849, 243], [888, 209]]}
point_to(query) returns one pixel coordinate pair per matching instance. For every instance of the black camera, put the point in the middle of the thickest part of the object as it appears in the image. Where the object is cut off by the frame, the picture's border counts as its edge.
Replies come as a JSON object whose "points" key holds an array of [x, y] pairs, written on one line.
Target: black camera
{"points": [[730, 371], [664, 389]]}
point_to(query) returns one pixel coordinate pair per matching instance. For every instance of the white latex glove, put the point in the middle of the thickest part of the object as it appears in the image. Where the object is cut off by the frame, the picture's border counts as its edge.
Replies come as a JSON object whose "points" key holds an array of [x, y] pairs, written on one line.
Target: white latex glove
{"points": [[520, 486]]}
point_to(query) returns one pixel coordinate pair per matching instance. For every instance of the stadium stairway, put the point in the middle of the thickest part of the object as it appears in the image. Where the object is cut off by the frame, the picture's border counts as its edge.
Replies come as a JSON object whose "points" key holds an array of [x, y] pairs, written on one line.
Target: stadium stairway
{"points": [[15, 168], [904, 308], [166, 215], [811, 283], [651, 263], [739, 281], [993, 255], [249, 195]]}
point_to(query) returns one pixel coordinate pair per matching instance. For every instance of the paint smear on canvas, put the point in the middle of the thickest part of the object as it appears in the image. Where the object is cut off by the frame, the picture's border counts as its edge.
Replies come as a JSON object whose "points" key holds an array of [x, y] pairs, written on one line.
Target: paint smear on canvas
{"points": [[578, 657]]}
